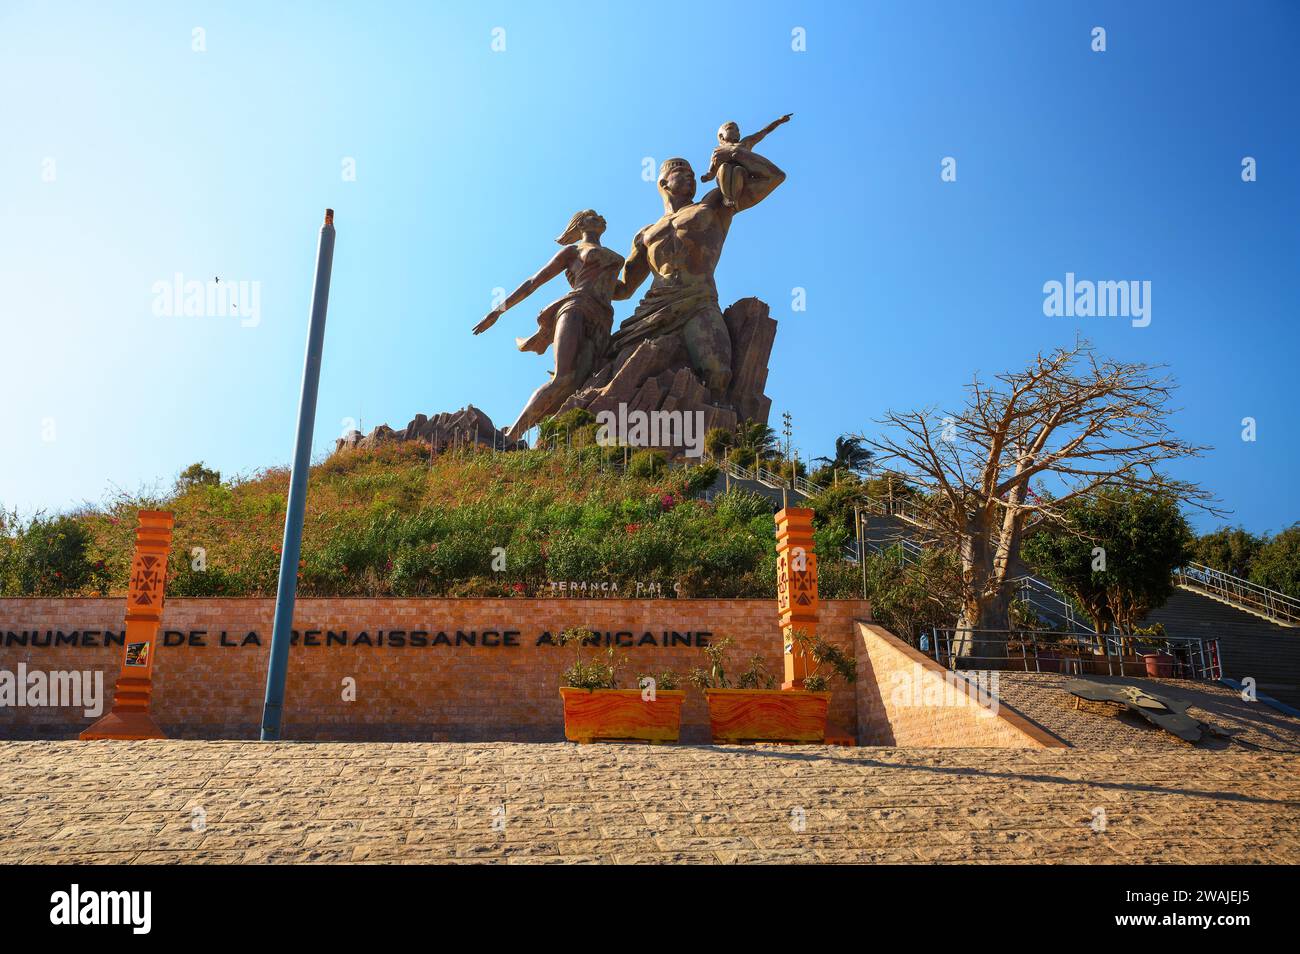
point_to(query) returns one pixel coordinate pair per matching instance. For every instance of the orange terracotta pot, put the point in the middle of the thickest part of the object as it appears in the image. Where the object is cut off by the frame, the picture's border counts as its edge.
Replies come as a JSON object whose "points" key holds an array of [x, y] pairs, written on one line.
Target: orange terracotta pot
{"points": [[1159, 665], [767, 715], [613, 715]]}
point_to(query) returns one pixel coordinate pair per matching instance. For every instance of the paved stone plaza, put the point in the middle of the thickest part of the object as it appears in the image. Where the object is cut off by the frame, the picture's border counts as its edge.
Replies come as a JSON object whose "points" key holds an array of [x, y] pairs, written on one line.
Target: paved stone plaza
{"points": [[228, 802], [1230, 721]]}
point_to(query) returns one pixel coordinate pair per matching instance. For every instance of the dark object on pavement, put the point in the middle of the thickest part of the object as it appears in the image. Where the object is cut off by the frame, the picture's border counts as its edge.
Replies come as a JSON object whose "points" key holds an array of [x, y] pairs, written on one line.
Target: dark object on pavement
{"points": [[1160, 711]]}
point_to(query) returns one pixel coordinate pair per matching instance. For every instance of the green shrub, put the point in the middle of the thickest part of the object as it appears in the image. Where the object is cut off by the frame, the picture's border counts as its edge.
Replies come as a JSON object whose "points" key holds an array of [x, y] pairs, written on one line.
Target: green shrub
{"points": [[49, 557], [647, 463], [184, 580]]}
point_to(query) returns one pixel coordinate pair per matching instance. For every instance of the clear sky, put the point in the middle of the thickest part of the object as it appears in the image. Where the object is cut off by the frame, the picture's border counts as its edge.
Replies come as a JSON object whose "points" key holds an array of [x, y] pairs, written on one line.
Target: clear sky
{"points": [[126, 157]]}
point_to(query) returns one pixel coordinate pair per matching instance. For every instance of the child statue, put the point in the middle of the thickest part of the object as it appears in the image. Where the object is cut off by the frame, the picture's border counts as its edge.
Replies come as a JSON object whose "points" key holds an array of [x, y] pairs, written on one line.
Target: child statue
{"points": [[731, 177]]}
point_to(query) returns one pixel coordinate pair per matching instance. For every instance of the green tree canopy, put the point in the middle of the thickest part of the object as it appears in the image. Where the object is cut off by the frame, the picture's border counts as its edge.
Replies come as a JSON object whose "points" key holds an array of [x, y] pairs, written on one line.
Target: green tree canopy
{"points": [[197, 475], [756, 437], [1277, 565], [1230, 549], [718, 441], [1114, 554]]}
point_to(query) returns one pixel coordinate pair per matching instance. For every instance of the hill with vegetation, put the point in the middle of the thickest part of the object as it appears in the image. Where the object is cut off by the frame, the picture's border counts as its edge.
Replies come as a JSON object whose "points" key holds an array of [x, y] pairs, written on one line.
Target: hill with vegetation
{"points": [[395, 521]]}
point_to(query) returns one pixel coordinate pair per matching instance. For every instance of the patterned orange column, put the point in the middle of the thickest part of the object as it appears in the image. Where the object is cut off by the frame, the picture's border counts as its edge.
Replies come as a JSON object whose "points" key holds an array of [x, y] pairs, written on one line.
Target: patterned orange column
{"points": [[796, 586], [129, 717]]}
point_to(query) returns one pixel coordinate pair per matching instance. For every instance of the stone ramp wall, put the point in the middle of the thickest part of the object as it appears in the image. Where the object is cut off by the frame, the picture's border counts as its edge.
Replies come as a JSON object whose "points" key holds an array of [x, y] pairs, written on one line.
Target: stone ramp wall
{"points": [[906, 698]]}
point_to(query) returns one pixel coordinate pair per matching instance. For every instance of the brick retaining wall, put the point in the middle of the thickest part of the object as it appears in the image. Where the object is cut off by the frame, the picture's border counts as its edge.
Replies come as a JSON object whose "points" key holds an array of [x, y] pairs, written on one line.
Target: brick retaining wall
{"points": [[203, 689]]}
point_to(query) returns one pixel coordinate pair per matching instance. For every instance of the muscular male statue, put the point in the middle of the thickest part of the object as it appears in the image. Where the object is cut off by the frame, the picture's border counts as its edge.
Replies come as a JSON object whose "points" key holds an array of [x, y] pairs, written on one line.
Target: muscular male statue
{"points": [[682, 249]]}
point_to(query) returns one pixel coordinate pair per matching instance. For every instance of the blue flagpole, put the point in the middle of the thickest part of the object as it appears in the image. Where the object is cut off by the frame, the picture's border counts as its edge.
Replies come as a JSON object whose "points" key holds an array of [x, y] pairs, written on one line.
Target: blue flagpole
{"points": [[287, 591]]}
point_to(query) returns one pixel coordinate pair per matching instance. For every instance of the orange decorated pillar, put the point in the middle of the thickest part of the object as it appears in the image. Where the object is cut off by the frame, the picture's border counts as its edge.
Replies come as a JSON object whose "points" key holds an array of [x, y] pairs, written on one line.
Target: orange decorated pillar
{"points": [[129, 718], [796, 587]]}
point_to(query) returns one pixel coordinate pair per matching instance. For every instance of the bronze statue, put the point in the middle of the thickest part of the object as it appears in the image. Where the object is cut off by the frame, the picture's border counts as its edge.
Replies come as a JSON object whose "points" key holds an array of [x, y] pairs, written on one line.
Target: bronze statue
{"points": [[578, 324], [682, 249], [688, 365]]}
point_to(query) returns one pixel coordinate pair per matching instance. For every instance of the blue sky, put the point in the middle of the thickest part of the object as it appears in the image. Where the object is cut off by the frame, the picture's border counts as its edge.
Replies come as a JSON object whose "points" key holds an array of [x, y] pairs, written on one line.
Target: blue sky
{"points": [[1122, 165]]}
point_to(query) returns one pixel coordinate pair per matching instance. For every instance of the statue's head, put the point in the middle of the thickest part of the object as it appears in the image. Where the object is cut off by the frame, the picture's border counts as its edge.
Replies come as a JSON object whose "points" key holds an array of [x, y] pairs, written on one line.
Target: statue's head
{"points": [[676, 180], [729, 133], [588, 220]]}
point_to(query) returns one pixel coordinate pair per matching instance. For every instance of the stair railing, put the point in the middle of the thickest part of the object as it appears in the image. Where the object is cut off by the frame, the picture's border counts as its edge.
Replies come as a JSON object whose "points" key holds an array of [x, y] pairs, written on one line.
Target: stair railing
{"points": [[1050, 601], [902, 507], [1240, 592], [734, 469], [1075, 654]]}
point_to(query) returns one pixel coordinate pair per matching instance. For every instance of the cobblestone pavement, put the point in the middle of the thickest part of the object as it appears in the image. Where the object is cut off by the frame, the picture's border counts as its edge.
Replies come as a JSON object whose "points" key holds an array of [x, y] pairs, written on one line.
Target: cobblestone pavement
{"points": [[1238, 724], [155, 802]]}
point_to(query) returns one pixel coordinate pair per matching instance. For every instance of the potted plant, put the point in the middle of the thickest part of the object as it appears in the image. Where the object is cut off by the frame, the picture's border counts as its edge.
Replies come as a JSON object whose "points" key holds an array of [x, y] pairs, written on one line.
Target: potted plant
{"points": [[1152, 646], [754, 710], [596, 709]]}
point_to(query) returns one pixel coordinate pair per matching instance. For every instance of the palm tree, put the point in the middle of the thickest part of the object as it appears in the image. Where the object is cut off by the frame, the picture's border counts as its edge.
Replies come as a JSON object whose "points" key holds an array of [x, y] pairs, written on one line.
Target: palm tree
{"points": [[850, 455], [759, 438]]}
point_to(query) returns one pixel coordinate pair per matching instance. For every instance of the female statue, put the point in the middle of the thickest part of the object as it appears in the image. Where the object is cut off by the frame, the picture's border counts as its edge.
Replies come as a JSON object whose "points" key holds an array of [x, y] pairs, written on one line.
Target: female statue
{"points": [[578, 324]]}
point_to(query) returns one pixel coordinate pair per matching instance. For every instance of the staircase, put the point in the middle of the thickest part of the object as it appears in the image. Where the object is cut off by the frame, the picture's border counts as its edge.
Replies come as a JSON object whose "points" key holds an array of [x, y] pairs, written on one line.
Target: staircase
{"points": [[758, 481], [1249, 645], [754, 486]]}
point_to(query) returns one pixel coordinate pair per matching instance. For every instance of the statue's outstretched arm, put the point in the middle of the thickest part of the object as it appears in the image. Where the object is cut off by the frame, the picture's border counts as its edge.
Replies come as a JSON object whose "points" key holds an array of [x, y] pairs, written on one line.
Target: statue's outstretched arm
{"points": [[635, 269], [549, 271], [749, 142]]}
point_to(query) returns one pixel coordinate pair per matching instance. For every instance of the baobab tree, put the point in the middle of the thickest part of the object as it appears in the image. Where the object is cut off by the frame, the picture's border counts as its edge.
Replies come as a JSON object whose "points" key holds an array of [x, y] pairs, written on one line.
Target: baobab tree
{"points": [[1071, 424]]}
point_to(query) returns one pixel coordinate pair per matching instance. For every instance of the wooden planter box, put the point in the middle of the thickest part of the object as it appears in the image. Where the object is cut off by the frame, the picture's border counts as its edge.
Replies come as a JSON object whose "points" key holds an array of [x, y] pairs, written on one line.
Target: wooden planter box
{"points": [[621, 715], [767, 715]]}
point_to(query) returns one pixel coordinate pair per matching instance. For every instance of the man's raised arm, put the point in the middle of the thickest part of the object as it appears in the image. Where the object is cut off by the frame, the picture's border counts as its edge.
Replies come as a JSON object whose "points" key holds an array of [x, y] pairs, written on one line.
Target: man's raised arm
{"points": [[762, 175]]}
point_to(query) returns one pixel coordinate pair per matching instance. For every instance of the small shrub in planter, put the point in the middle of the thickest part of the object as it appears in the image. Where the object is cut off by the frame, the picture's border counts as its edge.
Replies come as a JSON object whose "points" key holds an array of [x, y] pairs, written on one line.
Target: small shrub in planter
{"points": [[596, 709], [754, 710]]}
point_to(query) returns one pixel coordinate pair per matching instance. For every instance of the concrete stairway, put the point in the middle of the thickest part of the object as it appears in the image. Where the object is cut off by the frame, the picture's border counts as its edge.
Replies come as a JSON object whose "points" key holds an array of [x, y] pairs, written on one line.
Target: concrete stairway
{"points": [[771, 494], [1249, 645]]}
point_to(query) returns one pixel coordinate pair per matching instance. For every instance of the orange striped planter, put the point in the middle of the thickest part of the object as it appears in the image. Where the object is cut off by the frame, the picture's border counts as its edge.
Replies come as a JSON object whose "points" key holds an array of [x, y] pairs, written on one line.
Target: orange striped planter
{"points": [[616, 715], [767, 715]]}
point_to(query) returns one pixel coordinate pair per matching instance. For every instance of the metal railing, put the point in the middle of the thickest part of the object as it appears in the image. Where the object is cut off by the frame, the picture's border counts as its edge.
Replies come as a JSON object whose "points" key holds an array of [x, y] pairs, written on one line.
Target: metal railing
{"points": [[909, 551], [1045, 599], [1051, 604], [903, 507], [1239, 592], [1079, 654], [761, 475]]}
